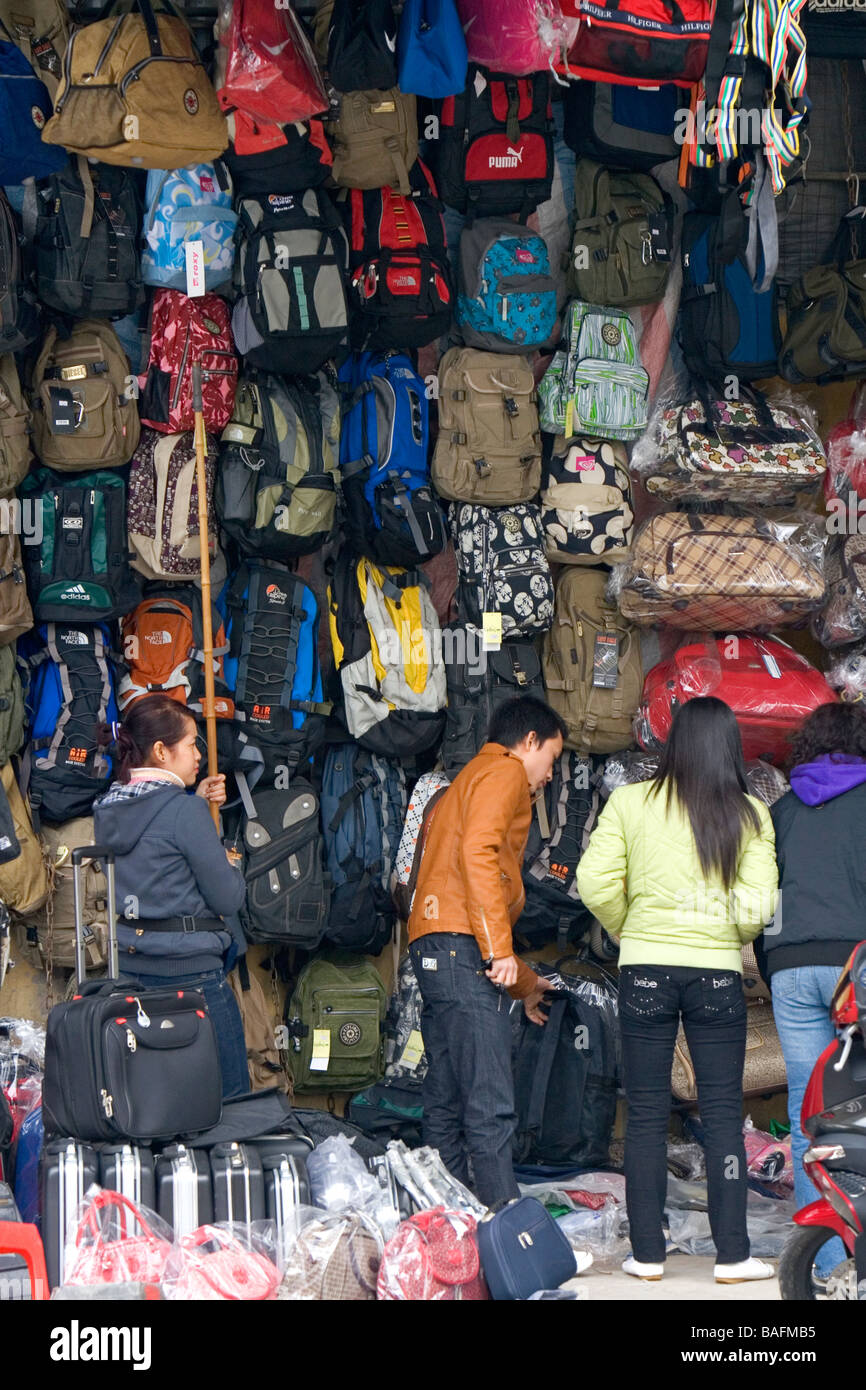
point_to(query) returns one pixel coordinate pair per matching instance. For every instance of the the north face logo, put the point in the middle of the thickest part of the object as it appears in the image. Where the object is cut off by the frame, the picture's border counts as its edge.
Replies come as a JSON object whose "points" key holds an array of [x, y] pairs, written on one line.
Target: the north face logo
{"points": [[158, 639], [407, 281], [75, 639], [275, 594], [512, 159]]}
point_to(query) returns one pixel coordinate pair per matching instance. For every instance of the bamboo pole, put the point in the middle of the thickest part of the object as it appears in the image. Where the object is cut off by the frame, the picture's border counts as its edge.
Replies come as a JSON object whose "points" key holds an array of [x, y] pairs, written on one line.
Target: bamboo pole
{"points": [[206, 608]]}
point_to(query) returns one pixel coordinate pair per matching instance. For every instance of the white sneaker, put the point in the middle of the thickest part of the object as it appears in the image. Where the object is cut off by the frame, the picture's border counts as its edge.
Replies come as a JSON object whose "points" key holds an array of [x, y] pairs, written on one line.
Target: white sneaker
{"points": [[746, 1269], [583, 1259], [642, 1271]]}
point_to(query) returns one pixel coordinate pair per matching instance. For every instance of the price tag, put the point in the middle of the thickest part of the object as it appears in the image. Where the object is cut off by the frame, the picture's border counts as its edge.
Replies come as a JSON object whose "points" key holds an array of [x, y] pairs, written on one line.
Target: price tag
{"points": [[491, 632], [64, 417], [194, 268], [413, 1051], [569, 419], [605, 661], [321, 1049]]}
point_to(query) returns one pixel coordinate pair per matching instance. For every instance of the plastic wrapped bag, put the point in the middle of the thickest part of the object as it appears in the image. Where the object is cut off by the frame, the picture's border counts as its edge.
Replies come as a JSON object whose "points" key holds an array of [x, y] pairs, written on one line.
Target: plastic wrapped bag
{"points": [[602, 1227], [22, 1049], [228, 1261], [113, 1241], [766, 782], [842, 619], [768, 1159], [335, 1257], [268, 70], [845, 479], [847, 674], [339, 1176], [433, 1257], [422, 1174], [514, 36], [769, 1224]]}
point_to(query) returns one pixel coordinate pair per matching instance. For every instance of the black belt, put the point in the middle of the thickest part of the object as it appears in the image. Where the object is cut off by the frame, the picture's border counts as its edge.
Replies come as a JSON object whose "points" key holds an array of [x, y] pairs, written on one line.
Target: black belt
{"points": [[177, 924]]}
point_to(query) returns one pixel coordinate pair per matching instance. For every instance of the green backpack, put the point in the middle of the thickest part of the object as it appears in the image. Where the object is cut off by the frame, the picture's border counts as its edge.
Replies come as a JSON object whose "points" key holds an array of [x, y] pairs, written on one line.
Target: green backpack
{"points": [[334, 1021], [595, 384], [622, 237]]}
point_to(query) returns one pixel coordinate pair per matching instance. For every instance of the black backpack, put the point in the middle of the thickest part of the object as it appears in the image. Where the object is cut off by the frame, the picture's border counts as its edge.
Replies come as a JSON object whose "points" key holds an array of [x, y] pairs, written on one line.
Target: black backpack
{"points": [[86, 241], [565, 1075], [494, 154], [362, 45], [275, 159], [478, 683], [19, 317], [562, 821], [287, 890]]}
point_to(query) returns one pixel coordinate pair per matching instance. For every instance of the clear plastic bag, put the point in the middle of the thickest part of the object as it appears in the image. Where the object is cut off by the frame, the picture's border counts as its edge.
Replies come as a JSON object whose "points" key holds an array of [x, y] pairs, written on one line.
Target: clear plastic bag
{"points": [[433, 1257], [842, 619], [601, 1227], [22, 1049], [769, 1224], [339, 1176], [267, 68], [113, 1241], [768, 1159], [422, 1174], [845, 480], [847, 674], [514, 36], [334, 1257], [224, 1262]]}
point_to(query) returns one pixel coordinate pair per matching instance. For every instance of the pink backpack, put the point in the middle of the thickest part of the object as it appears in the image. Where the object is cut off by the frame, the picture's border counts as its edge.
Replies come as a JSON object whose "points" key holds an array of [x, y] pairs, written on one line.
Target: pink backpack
{"points": [[514, 36], [184, 331]]}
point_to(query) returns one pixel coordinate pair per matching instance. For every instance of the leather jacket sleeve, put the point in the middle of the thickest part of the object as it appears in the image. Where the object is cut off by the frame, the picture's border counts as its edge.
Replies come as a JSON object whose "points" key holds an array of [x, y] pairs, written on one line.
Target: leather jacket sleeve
{"points": [[493, 803]]}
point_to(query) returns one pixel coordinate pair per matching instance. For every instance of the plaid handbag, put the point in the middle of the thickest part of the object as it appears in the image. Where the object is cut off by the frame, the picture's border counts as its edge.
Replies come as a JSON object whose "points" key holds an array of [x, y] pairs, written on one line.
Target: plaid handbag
{"points": [[335, 1258], [717, 573]]}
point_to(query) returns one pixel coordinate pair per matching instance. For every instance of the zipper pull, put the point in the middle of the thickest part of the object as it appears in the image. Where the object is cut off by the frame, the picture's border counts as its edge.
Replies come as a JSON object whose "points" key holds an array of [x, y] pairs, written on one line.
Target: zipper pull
{"points": [[107, 1103], [579, 628], [130, 1040], [142, 1020]]}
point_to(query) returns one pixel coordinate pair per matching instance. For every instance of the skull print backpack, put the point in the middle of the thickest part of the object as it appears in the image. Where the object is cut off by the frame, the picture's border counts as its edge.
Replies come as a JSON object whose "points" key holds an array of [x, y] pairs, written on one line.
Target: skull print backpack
{"points": [[586, 506], [502, 567]]}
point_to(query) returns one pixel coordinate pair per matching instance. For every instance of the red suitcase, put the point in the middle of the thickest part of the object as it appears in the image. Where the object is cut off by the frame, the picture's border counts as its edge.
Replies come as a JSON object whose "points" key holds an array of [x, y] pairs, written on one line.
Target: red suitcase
{"points": [[769, 686]]}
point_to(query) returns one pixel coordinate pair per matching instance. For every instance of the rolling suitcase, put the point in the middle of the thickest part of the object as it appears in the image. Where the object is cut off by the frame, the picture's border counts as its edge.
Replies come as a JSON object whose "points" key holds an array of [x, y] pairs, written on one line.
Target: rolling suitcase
{"points": [[129, 1169], [184, 1197], [68, 1170], [238, 1184], [122, 1062]]}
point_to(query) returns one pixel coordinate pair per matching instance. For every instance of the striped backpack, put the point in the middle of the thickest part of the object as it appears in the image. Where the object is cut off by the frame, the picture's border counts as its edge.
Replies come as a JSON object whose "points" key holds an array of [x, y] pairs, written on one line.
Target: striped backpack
{"points": [[595, 384]]}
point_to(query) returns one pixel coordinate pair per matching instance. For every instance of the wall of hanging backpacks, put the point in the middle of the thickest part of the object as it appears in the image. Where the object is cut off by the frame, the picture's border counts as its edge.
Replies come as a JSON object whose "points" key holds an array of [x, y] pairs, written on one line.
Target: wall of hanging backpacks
{"points": [[521, 374]]}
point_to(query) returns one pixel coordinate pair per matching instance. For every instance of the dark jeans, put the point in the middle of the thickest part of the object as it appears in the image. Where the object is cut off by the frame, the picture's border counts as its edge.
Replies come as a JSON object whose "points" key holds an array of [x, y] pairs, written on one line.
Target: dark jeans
{"points": [[469, 1087], [652, 998], [225, 1016]]}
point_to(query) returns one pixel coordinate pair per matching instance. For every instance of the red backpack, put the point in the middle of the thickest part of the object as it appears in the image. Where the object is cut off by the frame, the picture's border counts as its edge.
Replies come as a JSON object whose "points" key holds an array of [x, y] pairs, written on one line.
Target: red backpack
{"points": [[639, 43], [184, 331], [401, 291]]}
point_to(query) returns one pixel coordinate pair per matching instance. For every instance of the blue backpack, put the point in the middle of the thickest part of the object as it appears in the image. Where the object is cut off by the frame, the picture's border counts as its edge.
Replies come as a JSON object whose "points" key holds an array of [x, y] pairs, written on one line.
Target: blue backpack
{"points": [[391, 513], [506, 300], [272, 667], [184, 205], [431, 49], [70, 690], [25, 106], [363, 809]]}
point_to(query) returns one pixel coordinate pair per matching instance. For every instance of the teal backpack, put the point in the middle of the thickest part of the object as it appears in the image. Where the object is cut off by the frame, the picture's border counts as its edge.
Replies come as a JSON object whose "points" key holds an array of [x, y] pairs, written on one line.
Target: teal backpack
{"points": [[595, 384], [335, 1024]]}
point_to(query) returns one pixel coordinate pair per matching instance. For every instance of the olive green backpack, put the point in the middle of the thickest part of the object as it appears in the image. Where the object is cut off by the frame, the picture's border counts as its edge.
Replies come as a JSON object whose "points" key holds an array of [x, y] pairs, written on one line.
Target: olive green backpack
{"points": [[622, 237], [334, 1020]]}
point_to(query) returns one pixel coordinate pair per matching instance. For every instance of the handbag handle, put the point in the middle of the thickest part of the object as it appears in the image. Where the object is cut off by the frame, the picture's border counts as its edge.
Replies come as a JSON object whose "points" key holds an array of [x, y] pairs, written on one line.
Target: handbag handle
{"points": [[109, 1198]]}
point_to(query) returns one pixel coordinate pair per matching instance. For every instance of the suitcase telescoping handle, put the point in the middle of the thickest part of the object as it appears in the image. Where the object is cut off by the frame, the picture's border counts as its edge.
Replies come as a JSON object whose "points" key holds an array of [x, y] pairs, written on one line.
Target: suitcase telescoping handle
{"points": [[106, 858]]}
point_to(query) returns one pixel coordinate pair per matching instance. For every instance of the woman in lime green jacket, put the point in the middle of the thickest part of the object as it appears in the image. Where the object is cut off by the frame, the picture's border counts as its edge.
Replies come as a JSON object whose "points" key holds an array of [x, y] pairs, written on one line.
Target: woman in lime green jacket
{"points": [[682, 870]]}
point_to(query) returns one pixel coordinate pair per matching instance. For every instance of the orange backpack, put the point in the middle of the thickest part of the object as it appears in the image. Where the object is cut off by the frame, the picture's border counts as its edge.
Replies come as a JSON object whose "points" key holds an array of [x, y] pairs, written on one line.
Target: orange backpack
{"points": [[162, 648]]}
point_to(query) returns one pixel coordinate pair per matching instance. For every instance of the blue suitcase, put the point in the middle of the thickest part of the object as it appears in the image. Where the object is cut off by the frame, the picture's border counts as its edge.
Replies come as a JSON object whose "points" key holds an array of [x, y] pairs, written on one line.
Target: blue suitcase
{"points": [[523, 1250]]}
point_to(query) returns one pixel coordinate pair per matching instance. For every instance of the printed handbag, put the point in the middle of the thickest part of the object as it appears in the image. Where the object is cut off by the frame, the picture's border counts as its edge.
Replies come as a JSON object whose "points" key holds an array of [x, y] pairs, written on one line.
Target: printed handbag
{"points": [[502, 567], [718, 573], [108, 1249], [586, 507], [433, 1257], [743, 451]]}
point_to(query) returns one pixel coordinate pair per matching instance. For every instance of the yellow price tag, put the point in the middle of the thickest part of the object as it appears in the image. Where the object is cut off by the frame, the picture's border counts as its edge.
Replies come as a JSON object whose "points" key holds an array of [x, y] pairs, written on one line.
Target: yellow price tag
{"points": [[491, 632], [321, 1049], [413, 1051], [569, 419]]}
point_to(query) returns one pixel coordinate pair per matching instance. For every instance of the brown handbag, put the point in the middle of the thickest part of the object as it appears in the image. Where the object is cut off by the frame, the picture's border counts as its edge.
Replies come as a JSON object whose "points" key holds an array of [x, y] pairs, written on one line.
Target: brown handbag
{"points": [[335, 1258], [764, 1070]]}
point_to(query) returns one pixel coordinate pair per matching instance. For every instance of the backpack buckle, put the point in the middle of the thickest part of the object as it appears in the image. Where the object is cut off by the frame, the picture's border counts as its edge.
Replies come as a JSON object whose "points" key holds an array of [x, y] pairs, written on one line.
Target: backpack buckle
{"points": [[511, 406], [481, 466]]}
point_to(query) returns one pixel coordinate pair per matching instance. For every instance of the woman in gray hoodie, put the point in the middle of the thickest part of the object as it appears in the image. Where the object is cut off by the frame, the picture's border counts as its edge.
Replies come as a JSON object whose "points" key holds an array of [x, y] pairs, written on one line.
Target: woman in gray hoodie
{"points": [[175, 882]]}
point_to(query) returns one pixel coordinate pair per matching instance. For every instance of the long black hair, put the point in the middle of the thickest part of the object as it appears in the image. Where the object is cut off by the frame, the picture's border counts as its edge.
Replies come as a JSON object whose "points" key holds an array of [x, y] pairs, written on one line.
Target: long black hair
{"points": [[702, 765]]}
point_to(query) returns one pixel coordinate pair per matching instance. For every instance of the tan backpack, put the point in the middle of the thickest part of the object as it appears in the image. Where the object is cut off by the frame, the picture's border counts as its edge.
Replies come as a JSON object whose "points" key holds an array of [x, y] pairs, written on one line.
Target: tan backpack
{"points": [[40, 28], [55, 926], [135, 91], [15, 455], [263, 1058], [375, 139], [16, 615], [24, 882], [489, 446], [99, 426], [592, 665]]}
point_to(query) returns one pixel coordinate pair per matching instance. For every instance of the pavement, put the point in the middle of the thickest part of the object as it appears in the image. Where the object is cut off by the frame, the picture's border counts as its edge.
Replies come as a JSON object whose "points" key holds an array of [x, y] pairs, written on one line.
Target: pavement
{"points": [[686, 1278]]}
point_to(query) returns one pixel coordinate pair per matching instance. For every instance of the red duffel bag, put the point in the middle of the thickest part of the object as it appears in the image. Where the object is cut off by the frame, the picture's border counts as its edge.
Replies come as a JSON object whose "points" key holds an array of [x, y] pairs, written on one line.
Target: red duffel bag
{"points": [[769, 686]]}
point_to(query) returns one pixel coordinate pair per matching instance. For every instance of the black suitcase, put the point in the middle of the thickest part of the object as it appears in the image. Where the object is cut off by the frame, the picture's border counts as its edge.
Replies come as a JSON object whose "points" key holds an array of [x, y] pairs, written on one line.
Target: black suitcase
{"points": [[67, 1170], [287, 1186], [184, 1198], [127, 1063], [238, 1184], [128, 1168]]}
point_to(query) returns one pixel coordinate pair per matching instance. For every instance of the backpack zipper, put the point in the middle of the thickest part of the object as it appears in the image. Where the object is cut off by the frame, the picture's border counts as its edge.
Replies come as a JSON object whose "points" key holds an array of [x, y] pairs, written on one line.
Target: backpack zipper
{"points": [[176, 396], [132, 75]]}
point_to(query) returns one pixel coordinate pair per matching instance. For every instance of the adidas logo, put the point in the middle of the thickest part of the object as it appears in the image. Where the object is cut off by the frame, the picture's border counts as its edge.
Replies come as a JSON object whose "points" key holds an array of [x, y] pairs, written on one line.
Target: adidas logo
{"points": [[75, 591], [510, 160], [158, 639]]}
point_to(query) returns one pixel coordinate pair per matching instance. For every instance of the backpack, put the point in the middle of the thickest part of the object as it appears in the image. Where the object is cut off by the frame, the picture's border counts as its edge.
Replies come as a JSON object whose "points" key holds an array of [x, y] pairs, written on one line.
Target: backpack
{"points": [[86, 241], [11, 706], [488, 448], [136, 86], [362, 41], [70, 692], [507, 299], [390, 1110], [83, 417], [41, 30], [265, 158], [276, 486], [502, 567], [592, 664], [563, 818], [431, 49], [24, 108], [343, 998], [622, 237], [622, 127], [269, 68], [494, 154], [478, 682], [595, 384], [272, 666], [424, 797], [403, 1065], [363, 809], [826, 313], [16, 615], [725, 324], [586, 508], [162, 649], [184, 205], [184, 331], [15, 428], [79, 571], [391, 513], [287, 891], [24, 881], [384, 632], [162, 508], [565, 1095], [399, 274], [55, 925], [19, 314], [627, 42], [374, 137], [290, 310], [263, 1056]]}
